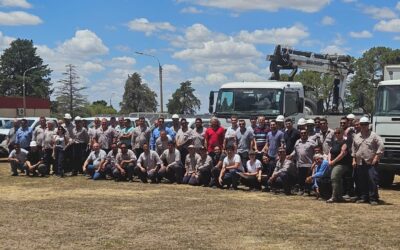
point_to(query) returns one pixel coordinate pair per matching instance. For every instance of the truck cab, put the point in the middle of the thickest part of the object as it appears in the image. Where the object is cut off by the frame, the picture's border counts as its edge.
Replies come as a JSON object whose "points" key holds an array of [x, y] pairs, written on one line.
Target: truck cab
{"points": [[248, 99], [386, 123]]}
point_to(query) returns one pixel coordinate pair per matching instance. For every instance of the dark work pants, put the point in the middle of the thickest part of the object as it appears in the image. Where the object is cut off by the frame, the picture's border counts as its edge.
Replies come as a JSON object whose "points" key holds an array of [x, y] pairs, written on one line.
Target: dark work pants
{"points": [[250, 181], [230, 179], [367, 180], [59, 160], [143, 176], [78, 157], [173, 173], [215, 171], [284, 180], [48, 160], [303, 173], [183, 152], [348, 182], [204, 176], [244, 157], [129, 169]]}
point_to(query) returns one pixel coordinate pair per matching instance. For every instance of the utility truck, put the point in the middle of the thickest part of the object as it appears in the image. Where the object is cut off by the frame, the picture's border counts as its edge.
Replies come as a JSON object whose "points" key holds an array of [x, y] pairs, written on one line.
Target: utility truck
{"points": [[386, 123], [248, 99]]}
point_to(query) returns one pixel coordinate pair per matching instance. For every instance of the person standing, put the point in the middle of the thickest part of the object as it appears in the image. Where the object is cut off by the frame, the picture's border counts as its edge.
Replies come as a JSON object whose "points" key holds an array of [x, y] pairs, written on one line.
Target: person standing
{"points": [[105, 136], [24, 135], [12, 133], [125, 135], [367, 150], [157, 132], [214, 136], [140, 135], [230, 134], [290, 136], [245, 141], [198, 134], [260, 136], [38, 133], [184, 139], [47, 146], [60, 142], [274, 140], [79, 145]]}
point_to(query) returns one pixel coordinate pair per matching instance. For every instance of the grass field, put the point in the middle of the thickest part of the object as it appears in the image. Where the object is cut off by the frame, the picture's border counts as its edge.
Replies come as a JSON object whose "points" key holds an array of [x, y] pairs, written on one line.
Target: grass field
{"points": [[75, 213]]}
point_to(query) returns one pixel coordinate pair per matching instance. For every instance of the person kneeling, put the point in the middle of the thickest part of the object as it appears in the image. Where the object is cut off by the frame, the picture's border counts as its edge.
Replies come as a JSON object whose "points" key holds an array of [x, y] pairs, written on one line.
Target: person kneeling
{"points": [[94, 161], [320, 177], [171, 166], [192, 164], [148, 165], [35, 161], [125, 164], [249, 177], [284, 174], [231, 166]]}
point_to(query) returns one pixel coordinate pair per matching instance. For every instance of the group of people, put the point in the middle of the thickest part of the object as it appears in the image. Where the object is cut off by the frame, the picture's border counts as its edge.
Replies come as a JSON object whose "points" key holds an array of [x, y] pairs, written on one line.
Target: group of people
{"points": [[267, 154]]}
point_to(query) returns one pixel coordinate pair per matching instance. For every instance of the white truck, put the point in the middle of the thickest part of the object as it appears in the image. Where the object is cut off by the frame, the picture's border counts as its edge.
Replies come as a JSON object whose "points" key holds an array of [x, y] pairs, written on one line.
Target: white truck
{"points": [[386, 123], [248, 99]]}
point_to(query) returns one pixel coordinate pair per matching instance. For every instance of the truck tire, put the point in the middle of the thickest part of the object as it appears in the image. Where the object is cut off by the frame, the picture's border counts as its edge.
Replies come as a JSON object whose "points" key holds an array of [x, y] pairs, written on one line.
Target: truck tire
{"points": [[386, 178], [310, 107]]}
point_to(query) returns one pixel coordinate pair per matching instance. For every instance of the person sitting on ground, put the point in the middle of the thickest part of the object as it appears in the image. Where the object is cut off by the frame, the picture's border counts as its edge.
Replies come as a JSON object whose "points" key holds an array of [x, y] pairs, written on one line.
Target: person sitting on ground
{"points": [[17, 159], [94, 161], [126, 161], [320, 177], [109, 165], [35, 161], [217, 158], [267, 168], [171, 166], [231, 165], [192, 163], [284, 174], [148, 165], [249, 177]]}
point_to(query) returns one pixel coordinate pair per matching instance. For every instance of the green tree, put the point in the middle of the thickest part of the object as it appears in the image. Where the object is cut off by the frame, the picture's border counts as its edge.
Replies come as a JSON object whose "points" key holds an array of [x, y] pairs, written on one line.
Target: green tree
{"points": [[138, 97], [183, 101], [318, 86], [99, 107], [68, 95], [368, 72], [21, 57]]}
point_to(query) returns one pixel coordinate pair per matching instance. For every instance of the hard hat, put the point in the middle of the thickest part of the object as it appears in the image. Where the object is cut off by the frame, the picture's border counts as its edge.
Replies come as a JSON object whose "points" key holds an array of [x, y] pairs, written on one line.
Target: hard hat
{"points": [[78, 118], [364, 120], [310, 121], [351, 116], [301, 121], [33, 144], [175, 116], [67, 116], [280, 118]]}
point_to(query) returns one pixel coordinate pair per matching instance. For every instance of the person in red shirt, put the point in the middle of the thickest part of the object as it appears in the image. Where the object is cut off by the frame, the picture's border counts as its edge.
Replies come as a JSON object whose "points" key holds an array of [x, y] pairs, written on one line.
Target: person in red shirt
{"points": [[214, 136]]}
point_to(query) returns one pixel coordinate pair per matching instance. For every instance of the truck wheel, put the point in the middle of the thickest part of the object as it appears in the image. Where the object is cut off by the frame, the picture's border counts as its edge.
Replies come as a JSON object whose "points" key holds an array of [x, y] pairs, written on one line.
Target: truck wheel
{"points": [[310, 107], [386, 178]]}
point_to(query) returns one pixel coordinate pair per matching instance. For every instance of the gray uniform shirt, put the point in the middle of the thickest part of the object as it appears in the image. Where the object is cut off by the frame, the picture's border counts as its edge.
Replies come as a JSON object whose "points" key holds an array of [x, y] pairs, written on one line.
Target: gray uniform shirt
{"points": [[149, 160], [171, 158], [140, 136], [81, 135], [184, 138], [21, 156], [12, 133], [49, 136], [206, 162], [192, 162], [96, 157], [304, 152], [38, 135], [326, 140], [162, 144], [105, 137], [244, 140], [198, 137], [285, 166], [129, 155], [70, 130], [366, 147]]}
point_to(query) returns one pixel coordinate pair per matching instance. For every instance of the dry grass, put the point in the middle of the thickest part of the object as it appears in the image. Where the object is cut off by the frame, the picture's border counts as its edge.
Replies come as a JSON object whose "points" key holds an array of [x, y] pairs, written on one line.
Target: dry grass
{"points": [[75, 213]]}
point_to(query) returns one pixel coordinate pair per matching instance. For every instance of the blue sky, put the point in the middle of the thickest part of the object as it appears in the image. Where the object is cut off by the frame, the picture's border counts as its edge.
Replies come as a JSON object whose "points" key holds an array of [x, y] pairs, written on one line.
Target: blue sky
{"points": [[208, 42]]}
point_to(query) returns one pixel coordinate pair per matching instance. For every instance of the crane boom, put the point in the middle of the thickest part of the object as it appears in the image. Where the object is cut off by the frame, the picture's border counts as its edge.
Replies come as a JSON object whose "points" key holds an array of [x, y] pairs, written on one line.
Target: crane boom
{"points": [[340, 66]]}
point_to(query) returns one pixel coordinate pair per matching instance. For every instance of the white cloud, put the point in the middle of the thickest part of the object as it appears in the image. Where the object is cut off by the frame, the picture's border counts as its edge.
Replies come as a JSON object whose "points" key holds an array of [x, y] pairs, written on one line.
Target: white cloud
{"points": [[84, 44], [286, 36], [266, 5], [396, 38], [398, 6], [191, 10], [335, 49], [15, 3], [388, 26], [91, 67], [349, 1], [16, 18], [216, 78], [327, 20], [249, 77], [143, 25], [361, 34], [123, 61], [5, 41], [379, 13]]}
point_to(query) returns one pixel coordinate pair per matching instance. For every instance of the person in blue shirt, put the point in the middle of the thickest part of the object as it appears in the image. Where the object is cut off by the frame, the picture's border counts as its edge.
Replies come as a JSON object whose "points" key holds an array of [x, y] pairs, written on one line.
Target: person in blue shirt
{"points": [[24, 135], [321, 174], [156, 133]]}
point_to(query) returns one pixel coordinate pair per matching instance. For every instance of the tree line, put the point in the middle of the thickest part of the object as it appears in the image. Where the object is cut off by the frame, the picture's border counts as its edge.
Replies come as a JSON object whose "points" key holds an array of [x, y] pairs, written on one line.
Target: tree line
{"points": [[21, 57]]}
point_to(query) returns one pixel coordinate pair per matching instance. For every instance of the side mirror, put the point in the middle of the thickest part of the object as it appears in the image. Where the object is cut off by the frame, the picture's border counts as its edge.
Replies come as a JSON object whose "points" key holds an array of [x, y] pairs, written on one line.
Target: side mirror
{"points": [[211, 103]]}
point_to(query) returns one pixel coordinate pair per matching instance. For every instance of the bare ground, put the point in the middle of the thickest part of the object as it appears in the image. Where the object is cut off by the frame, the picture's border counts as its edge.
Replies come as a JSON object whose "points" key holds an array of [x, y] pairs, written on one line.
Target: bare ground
{"points": [[76, 213]]}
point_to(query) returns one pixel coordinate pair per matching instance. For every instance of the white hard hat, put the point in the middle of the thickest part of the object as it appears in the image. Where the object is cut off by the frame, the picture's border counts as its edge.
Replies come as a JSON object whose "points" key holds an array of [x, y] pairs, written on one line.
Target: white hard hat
{"points": [[33, 144], [280, 118], [310, 121], [351, 116], [301, 121], [175, 116], [67, 116], [364, 119], [78, 118]]}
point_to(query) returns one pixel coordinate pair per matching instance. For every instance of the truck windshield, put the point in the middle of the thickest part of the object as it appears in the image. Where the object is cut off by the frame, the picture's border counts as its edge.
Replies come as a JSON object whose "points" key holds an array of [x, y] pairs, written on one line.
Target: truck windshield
{"points": [[249, 101], [388, 101]]}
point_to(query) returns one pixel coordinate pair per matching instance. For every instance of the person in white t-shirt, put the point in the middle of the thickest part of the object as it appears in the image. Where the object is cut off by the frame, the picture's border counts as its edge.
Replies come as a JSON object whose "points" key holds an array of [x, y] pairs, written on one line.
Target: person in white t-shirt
{"points": [[231, 166], [249, 178]]}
